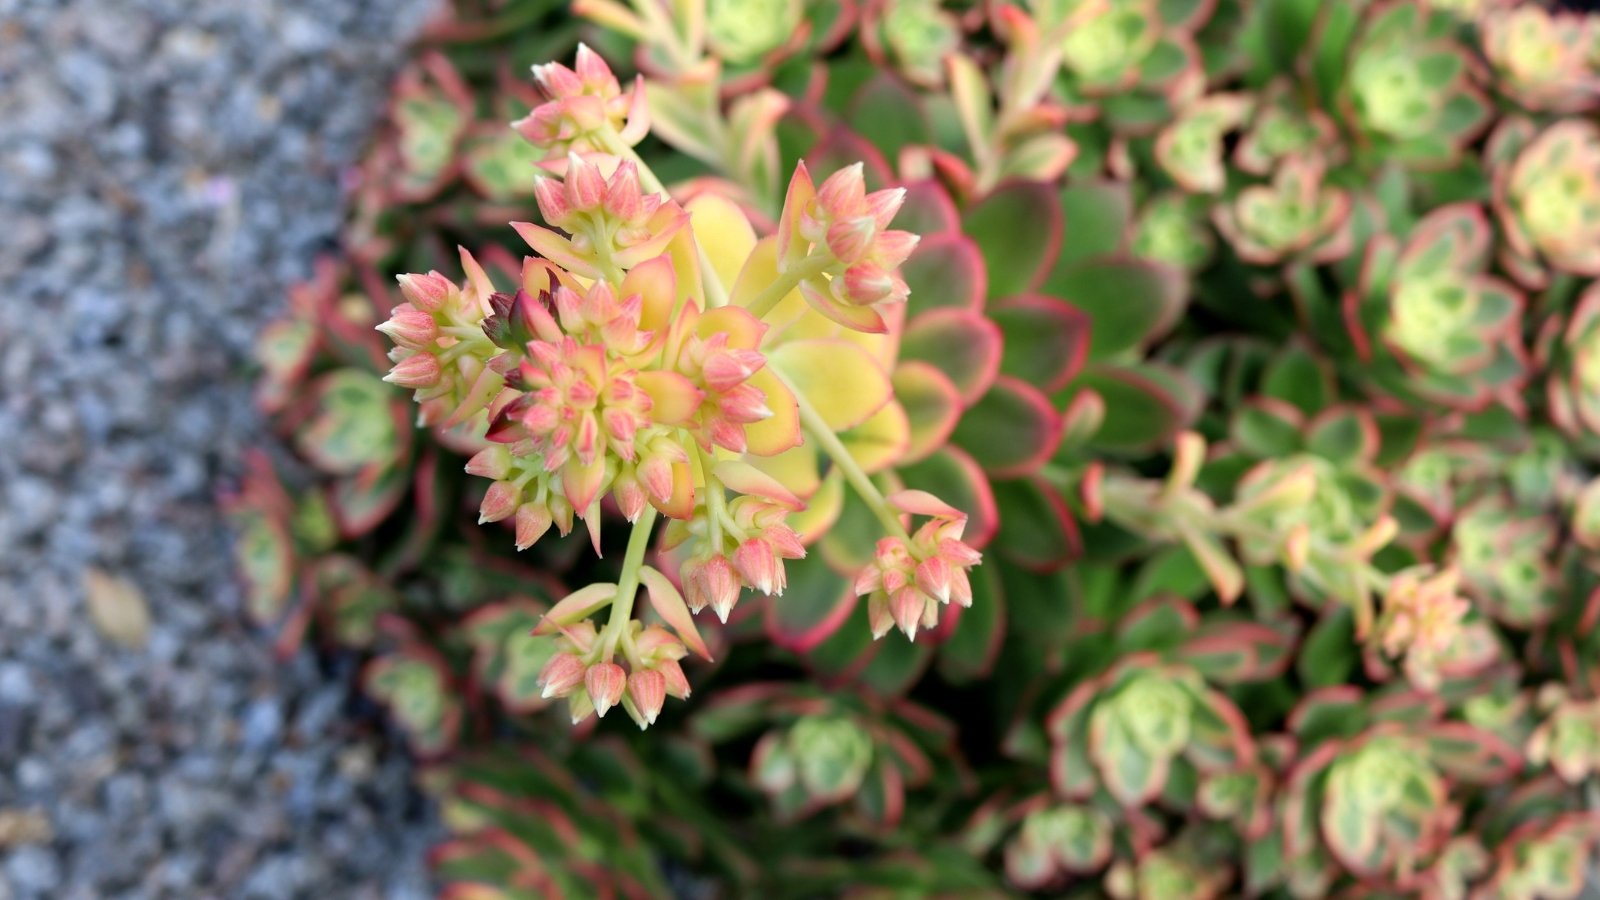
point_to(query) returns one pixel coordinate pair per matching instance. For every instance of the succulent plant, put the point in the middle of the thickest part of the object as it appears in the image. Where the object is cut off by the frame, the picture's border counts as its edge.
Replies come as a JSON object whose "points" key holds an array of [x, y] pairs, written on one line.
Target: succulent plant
{"points": [[1547, 197], [1409, 90], [1252, 566], [1545, 60]]}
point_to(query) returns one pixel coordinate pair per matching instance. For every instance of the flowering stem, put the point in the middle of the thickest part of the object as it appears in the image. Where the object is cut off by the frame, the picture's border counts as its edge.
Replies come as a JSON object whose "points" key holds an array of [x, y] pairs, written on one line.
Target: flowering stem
{"points": [[819, 431], [716, 294], [762, 303], [627, 583]]}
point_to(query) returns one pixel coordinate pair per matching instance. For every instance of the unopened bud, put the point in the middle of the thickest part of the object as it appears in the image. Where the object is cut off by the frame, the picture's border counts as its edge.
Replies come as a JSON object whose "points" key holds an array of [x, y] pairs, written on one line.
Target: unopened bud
{"points": [[759, 566], [533, 520], [499, 502], [648, 689], [410, 327], [493, 463], [676, 683], [605, 683], [906, 605], [415, 372], [428, 293], [561, 675]]}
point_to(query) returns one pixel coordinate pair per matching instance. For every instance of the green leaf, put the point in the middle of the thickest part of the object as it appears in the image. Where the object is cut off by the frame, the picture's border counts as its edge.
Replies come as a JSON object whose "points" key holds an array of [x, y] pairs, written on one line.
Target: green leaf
{"points": [[1129, 303], [1012, 430], [1141, 414], [1045, 339], [961, 343], [888, 114], [1036, 529], [1097, 214], [946, 270], [1018, 230], [1330, 652]]}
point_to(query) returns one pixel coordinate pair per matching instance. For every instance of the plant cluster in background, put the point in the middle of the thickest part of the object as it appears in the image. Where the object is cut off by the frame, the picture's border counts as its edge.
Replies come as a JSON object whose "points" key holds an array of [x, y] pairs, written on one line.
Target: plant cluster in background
{"points": [[1210, 387]]}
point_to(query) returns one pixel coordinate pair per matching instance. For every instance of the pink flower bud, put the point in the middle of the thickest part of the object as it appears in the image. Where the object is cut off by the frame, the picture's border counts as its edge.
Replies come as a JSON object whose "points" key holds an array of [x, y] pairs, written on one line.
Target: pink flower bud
{"points": [[593, 73], [882, 205], [849, 239], [428, 293], [552, 199], [866, 284], [656, 475], [648, 689], [533, 520], [729, 369], [415, 372], [557, 81], [906, 605], [676, 684], [561, 515], [410, 327], [561, 675], [713, 583], [493, 463], [745, 404], [605, 683], [499, 502], [934, 579], [891, 248], [623, 196], [759, 566], [843, 190], [586, 187], [879, 618], [630, 497]]}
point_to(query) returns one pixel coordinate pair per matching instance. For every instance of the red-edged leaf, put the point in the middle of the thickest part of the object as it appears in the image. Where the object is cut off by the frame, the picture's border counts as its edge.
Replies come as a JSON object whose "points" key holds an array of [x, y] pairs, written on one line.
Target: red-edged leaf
{"points": [[932, 404], [1036, 528], [817, 601], [1143, 408], [1229, 652], [928, 211], [962, 343], [1012, 430], [1018, 229], [1045, 339], [946, 270], [1130, 303], [1471, 754], [1097, 216]]}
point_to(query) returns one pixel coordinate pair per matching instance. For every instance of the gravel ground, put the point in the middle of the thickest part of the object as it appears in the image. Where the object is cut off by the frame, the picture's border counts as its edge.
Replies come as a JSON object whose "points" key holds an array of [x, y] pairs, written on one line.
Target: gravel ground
{"points": [[166, 168]]}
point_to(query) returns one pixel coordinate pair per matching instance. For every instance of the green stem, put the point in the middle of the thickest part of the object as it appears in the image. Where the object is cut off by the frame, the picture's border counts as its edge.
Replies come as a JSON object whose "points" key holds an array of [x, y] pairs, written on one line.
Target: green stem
{"points": [[627, 583], [715, 501], [762, 303], [820, 432]]}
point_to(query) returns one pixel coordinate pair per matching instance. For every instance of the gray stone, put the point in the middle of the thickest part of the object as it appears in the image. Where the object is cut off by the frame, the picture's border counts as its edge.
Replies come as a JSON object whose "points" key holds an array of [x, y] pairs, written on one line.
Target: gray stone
{"points": [[166, 169]]}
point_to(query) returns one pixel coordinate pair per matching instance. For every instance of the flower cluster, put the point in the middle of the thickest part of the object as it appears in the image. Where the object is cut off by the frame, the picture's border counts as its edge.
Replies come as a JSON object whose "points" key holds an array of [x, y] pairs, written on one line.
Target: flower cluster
{"points": [[613, 371], [911, 577], [1420, 619]]}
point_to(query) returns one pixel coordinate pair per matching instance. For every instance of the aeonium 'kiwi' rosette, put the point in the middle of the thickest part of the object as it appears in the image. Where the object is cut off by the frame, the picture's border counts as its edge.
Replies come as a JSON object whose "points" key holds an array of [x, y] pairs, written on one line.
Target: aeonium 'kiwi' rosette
{"points": [[647, 356]]}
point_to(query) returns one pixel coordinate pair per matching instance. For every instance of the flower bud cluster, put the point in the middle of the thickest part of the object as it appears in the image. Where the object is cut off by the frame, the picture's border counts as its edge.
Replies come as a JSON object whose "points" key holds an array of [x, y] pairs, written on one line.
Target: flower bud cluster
{"points": [[438, 350], [1420, 619], [594, 685], [582, 105], [910, 578], [837, 238]]}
